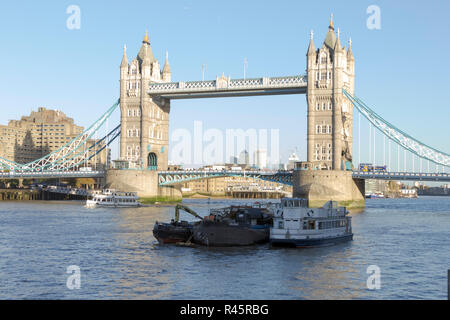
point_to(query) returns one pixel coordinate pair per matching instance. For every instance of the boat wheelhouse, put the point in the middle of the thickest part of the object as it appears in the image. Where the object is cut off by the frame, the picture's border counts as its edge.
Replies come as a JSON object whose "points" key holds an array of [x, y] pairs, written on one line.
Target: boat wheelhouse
{"points": [[296, 225]]}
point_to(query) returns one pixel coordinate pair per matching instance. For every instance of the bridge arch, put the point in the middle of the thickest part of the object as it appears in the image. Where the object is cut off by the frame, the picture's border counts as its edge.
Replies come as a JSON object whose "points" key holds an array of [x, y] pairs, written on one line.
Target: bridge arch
{"points": [[152, 161]]}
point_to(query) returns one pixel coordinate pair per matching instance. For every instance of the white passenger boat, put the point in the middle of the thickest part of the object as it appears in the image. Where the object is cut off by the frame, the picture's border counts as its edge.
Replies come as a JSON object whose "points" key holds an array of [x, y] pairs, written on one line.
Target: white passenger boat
{"points": [[296, 225], [113, 198]]}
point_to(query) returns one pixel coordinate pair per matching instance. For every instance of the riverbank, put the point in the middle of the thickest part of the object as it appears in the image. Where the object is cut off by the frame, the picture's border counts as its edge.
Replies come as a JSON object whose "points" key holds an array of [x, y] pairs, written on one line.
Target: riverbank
{"points": [[19, 195], [33, 195], [159, 200]]}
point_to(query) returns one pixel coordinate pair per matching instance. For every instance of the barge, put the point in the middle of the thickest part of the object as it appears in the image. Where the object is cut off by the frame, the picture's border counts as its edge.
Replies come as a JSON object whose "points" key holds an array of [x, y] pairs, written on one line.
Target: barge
{"points": [[234, 226], [176, 231], [224, 227]]}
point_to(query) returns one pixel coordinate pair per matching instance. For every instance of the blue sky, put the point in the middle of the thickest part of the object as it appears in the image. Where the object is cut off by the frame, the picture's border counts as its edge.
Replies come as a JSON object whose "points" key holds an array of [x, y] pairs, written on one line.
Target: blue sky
{"points": [[401, 69]]}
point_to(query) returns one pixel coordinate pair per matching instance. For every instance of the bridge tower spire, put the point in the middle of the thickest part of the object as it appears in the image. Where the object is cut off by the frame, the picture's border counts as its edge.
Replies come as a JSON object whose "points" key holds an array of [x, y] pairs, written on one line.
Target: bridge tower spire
{"points": [[330, 69]]}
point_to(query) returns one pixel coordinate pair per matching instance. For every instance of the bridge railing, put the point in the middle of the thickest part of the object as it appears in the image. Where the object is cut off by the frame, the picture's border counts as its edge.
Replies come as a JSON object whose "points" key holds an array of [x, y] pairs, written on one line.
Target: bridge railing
{"points": [[400, 175], [225, 172]]}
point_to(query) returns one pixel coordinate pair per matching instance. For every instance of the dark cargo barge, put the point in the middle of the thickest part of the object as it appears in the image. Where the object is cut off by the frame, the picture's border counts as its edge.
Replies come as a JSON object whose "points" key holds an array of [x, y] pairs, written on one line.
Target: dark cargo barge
{"points": [[230, 226]]}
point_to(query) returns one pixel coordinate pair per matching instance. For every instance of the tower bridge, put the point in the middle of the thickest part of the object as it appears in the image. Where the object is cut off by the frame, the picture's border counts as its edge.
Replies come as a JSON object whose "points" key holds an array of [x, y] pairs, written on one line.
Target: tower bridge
{"points": [[146, 93]]}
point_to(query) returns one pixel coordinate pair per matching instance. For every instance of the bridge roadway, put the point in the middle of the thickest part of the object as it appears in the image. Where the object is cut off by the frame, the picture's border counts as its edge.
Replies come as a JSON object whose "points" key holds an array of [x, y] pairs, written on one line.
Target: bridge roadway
{"points": [[52, 174], [175, 177], [285, 177]]}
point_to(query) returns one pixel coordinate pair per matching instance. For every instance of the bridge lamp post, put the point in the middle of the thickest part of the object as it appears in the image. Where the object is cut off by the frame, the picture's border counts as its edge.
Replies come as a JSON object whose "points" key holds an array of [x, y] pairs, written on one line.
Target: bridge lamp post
{"points": [[245, 66], [203, 71]]}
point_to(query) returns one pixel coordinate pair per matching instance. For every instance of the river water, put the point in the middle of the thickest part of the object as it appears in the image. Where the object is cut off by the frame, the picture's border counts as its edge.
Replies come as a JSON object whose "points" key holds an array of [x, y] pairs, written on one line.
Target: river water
{"points": [[118, 257]]}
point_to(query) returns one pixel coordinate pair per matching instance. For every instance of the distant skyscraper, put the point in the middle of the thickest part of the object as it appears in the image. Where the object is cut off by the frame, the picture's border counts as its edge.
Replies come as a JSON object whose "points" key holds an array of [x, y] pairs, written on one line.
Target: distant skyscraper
{"points": [[293, 158], [244, 158], [233, 160], [261, 158]]}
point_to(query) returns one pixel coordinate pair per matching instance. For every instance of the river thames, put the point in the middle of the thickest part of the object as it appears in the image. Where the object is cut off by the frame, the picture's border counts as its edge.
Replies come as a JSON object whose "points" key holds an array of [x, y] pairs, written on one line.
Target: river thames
{"points": [[118, 257]]}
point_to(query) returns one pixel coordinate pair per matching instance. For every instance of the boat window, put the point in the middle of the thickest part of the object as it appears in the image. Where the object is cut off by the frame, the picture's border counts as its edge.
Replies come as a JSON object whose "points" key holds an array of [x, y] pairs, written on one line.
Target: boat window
{"points": [[280, 225]]}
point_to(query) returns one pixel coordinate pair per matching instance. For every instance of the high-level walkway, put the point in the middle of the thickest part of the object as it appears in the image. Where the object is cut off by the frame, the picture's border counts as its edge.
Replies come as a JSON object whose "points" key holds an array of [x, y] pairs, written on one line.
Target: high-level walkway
{"points": [[226, 87]]}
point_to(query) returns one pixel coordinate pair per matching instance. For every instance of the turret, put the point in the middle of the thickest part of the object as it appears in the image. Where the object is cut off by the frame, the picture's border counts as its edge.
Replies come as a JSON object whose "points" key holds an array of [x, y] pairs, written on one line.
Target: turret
{"points": [[146, 64], [330, 39], [339, 47], [124, 63], [123, 72], [311, 47], [350, 57], [166, 74], [146, 50]]}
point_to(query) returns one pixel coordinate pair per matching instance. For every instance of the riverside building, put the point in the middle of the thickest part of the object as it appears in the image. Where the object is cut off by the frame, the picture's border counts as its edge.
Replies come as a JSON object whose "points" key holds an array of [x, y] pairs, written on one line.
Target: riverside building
{"points": [[41, 133]]}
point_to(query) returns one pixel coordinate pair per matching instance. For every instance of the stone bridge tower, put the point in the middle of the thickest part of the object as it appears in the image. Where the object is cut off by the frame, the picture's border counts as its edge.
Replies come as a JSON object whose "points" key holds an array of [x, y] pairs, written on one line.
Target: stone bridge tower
{"points": [[330, 115], [330, 69], [144, 138]]}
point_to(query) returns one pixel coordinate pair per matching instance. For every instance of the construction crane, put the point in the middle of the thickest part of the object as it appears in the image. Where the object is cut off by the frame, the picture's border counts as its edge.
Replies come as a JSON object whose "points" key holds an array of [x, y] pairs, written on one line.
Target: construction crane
{"points": [[187, 209]]}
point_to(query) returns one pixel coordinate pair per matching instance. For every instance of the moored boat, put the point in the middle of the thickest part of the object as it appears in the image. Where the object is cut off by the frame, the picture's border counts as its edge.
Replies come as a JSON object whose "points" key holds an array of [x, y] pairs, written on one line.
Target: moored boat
{"points": [[234, 226], [176, 231], [297, 225]]}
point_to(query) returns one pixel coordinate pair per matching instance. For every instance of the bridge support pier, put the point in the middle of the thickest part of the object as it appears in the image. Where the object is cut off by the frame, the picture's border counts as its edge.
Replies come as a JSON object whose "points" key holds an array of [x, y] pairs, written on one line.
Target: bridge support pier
{"points": [[320, 186], [144, 182]]}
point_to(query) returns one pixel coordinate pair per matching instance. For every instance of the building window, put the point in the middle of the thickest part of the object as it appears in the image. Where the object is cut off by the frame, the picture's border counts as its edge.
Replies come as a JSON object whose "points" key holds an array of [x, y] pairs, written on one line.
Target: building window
{"points": [[324, 129], [317, 106], [329, 106]]}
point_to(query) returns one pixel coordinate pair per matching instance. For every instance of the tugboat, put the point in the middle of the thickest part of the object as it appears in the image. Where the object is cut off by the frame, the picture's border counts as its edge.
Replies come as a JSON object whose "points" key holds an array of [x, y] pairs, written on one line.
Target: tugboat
{"points": [[234, 226], [176, 231], [296, 225]]}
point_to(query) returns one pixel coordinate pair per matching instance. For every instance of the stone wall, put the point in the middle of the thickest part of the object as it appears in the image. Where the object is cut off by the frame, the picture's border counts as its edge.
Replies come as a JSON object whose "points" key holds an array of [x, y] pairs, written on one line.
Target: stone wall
{"points": [[144, 182], [320, 186]]}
